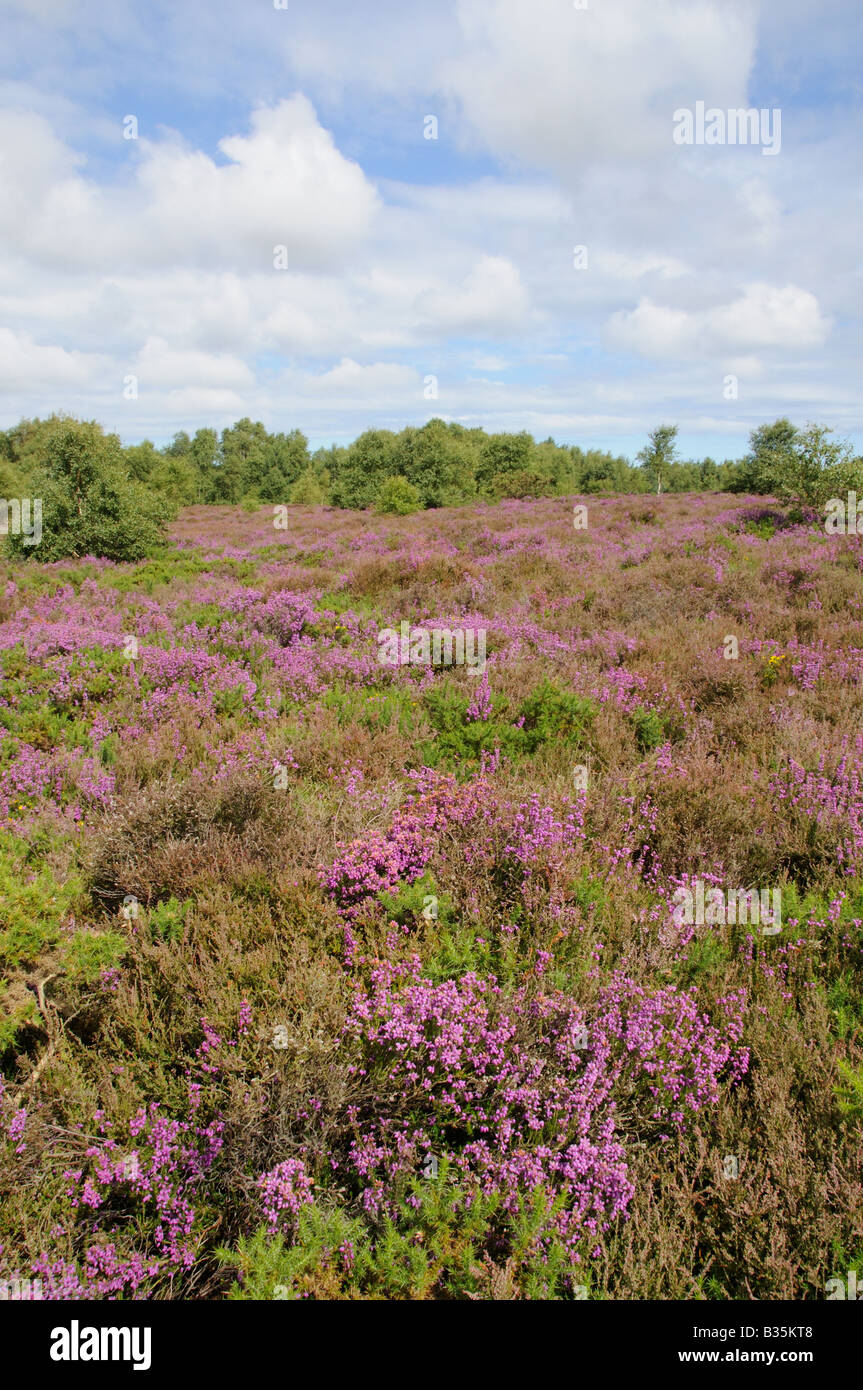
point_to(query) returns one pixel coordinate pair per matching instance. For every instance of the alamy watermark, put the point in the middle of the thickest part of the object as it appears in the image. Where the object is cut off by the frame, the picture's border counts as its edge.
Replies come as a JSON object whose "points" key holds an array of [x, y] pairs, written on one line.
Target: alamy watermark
{"points": [[838, 1290], [841, 520], [22, 518], [741, 906], [20, 1290], [738, 126], [77, 1343], [437, 646]]}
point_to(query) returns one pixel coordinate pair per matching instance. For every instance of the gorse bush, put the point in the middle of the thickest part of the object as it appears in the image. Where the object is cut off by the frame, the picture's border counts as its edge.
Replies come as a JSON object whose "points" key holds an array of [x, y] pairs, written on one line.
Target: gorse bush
{"points": [[467, 728]]}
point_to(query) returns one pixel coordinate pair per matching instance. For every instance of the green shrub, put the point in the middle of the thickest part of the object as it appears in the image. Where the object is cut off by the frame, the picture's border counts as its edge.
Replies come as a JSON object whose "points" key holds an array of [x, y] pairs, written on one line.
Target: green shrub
{"points": [[552, 713], [649, 728], [409, 902], [167, 921], [547, 714], [398, 496], [439, 1246], [306, 491]]}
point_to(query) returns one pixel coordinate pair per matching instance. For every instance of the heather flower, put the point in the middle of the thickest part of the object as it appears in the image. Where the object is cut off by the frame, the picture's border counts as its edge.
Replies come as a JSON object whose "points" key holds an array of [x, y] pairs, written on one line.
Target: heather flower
{"points": [[283, 1190]]}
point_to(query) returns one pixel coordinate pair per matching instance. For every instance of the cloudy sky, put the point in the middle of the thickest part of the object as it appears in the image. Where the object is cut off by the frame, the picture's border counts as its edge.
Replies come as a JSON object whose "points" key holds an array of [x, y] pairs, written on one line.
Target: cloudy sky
{"points": [[717, 286]]}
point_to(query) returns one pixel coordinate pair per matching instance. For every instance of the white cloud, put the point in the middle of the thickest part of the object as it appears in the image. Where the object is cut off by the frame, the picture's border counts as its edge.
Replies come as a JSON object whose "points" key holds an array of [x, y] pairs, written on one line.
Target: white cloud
{"points": [[556, 87], [197, 403], [286, 184], [492, 298], [158, 365], [623, 267], [765, 316], [379, 380], [26, 365], [762, 317]]}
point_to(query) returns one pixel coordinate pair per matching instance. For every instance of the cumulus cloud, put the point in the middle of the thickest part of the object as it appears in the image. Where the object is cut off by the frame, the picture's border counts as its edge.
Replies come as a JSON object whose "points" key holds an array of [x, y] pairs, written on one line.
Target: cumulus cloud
{"points": [[763, 316], [492, 298], [284, 184], [377, 381]]}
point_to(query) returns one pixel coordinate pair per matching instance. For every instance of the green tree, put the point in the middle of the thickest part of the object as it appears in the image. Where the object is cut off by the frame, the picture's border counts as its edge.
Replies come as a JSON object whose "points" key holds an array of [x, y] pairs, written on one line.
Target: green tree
{"points": [[812, 470], [90, 506], [287, 459], [243, 457], [368, 462], [179, 445], [659, 454], [142, 460], [503, 455], [708, 474], [176, 479], [771, 449], [306, 491], [203, 452]]}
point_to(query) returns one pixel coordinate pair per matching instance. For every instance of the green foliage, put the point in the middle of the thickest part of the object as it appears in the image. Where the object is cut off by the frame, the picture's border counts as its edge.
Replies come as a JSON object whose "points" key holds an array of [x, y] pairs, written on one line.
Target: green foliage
{"points": [[815, 469], [174, 567], [658, 455], [649, 728], [771, 449], [525, 483], [15, 1016], [398, 496], [849, 1092], [90, 506], [437, 1247], [31, 908], [167, 921], [408, 904], [460, 739], [547, 714], [552, 713], [176, 478], [364, 467], [307, 491], [88, 953], [439, 464]]}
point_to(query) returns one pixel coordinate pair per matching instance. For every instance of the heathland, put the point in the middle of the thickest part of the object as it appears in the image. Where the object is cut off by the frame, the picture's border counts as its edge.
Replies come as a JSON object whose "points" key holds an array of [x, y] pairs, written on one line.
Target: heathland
{"points": [[332, 978]]}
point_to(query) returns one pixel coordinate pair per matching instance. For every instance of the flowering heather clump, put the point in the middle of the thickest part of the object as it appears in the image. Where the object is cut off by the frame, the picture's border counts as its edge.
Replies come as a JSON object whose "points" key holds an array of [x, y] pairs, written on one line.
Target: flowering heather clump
{"points": [[152, 1167], [834, 800], [528, 1107], [282, 1192], [370, 866]]}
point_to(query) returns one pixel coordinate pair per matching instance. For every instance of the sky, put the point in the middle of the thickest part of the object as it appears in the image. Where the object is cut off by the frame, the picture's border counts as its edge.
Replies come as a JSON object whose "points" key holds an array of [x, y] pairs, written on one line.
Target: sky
{"points": [[333, 217]]}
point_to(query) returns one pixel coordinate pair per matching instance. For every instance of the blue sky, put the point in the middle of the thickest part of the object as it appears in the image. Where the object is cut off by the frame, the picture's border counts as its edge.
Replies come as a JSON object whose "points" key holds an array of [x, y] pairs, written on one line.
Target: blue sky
{"points": [[722, 285]]}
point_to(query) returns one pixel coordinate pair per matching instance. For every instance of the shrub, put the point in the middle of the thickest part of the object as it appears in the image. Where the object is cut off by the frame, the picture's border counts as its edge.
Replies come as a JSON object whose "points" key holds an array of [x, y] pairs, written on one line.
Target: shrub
{"points": [[552, 713], [306, 491], [398, 496], [649, 728]]}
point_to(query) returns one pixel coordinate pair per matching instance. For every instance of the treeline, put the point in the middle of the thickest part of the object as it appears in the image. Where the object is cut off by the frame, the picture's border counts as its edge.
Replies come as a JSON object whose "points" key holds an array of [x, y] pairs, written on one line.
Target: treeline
{"points": [[437, 465], [100, 497]]}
